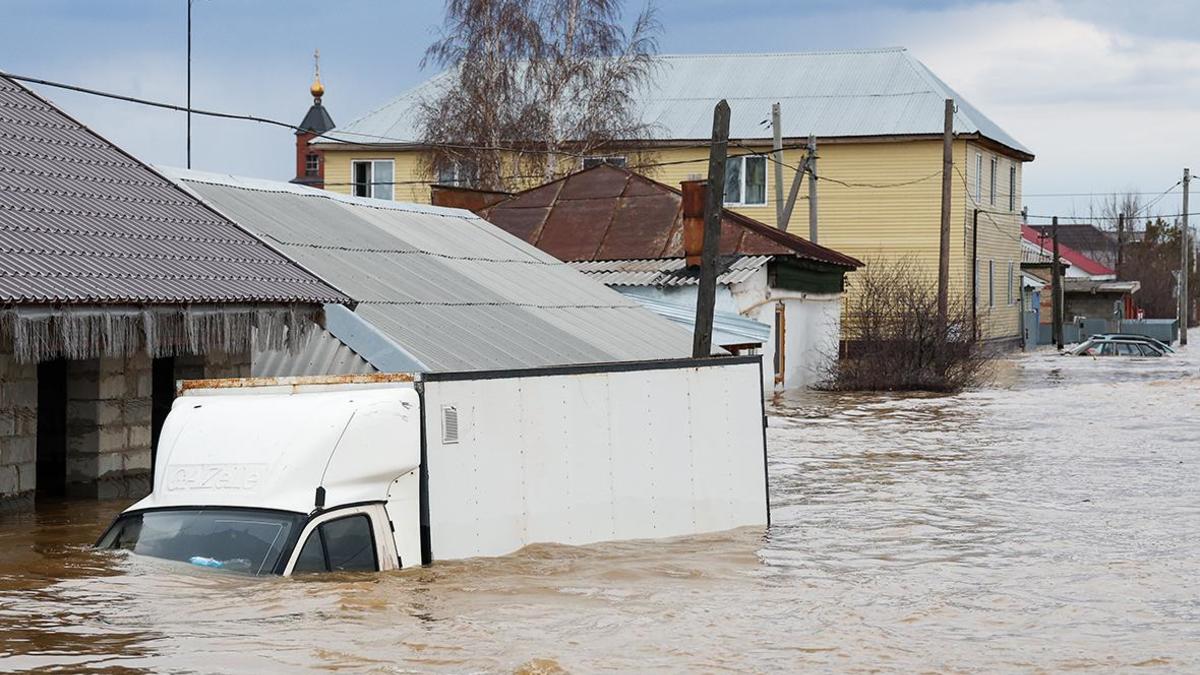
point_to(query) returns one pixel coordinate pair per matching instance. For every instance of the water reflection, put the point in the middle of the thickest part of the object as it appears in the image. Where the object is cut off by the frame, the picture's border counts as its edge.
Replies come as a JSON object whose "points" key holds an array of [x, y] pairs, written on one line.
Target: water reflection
{"points": [[1049, 522]]}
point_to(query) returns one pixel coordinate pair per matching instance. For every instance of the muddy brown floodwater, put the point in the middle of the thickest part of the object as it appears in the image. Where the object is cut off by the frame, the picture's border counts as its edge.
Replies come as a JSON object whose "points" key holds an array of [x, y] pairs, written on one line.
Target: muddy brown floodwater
{"points": [[1049, 523]]}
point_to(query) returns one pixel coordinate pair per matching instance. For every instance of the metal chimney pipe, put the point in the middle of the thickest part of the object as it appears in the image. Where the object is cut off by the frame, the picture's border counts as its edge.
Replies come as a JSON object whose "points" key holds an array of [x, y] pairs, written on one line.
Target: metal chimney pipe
{"points": [[694, 192]]}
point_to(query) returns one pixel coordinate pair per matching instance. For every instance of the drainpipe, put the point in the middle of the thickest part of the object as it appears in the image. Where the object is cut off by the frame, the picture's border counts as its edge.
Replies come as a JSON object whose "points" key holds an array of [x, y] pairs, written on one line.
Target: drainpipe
{"points": [[975, 274]]}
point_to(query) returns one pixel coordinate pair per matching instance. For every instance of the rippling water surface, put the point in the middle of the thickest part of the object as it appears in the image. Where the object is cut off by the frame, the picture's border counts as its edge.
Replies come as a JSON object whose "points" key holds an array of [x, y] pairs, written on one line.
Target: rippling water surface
{"points": [[1051, 522]]}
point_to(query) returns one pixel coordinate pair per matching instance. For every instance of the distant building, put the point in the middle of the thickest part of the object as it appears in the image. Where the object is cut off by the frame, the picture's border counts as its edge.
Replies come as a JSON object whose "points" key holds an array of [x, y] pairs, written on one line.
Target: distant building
{"points": [[777, 292], [1091, 241], [310, 159], [1090, 290], [114, 283], [877, 116]]}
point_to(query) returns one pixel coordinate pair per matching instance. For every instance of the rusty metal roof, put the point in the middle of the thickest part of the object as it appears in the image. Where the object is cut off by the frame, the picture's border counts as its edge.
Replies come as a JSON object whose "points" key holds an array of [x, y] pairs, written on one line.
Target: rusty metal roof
{"points": [[667, 271], [82, 222], [612, 213]]}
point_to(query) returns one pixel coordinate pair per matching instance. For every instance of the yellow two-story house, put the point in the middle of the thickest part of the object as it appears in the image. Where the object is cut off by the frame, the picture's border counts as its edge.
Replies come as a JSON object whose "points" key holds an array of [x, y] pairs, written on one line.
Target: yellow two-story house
{"points": [[877, 117]]}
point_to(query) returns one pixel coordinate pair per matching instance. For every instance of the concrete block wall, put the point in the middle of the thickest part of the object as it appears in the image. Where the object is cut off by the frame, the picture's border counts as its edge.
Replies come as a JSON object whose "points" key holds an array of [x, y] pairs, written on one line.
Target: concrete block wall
{"points": [[213, 365], [108, 427], [18, 431]]}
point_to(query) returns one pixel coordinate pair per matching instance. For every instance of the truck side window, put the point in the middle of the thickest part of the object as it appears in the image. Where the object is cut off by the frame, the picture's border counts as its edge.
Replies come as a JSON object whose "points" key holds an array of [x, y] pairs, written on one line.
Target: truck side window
{"points": [[342, 545], [312, 556]]}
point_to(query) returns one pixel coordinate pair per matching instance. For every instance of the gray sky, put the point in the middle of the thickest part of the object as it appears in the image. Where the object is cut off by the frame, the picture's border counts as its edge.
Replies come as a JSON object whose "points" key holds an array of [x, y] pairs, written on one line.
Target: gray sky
{"points": [[1106, 93]]}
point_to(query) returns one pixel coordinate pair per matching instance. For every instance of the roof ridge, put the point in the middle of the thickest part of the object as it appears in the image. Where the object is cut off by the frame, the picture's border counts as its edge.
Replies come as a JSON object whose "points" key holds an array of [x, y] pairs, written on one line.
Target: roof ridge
{"points": [[816, 52]]}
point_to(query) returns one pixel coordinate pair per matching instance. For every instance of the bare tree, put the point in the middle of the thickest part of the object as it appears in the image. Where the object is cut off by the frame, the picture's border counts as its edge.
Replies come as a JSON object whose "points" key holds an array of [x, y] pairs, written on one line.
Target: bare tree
{"points": [[527, 83], [895, 340]]}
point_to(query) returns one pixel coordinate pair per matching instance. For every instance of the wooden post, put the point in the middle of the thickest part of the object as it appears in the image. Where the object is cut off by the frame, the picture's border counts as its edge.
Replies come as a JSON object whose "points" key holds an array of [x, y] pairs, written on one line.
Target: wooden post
{"points": [[792, 195], [776, 128], [1056, 311], [943, 289], [706, 298], [1120, 244], [1185, 307], [812, 188]]}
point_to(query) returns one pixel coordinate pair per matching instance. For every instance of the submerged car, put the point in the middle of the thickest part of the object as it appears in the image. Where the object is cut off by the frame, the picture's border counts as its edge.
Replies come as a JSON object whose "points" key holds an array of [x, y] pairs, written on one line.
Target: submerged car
{"points": [[1137, 338], [1105, 346]]}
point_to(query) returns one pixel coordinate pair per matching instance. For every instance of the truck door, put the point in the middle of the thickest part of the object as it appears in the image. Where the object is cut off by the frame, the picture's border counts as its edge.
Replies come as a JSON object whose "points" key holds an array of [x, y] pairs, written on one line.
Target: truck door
{"points": [[404, 511], [352, 539]]}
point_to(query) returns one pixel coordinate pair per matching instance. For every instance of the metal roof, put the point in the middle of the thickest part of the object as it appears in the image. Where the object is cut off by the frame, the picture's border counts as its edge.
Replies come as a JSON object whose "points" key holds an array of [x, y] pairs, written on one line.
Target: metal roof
{"points": [[832, 94], [450, 289], [611, 213], [83, 222], [667, 271], [323, 354], [729, 329]]}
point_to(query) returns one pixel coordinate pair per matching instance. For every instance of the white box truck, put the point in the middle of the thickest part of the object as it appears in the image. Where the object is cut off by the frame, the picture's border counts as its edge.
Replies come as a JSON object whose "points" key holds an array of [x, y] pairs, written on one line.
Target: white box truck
{"points": [[292, 475]]}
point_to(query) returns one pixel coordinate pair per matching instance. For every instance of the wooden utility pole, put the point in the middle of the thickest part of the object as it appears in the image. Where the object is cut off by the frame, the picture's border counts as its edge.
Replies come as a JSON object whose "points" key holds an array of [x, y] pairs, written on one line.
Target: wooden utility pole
{"points": [[1056, 308], [1120, 244], [706, 298], [812, 188], [778, 131], [1185, 306], [792, 195], [943, 290]]}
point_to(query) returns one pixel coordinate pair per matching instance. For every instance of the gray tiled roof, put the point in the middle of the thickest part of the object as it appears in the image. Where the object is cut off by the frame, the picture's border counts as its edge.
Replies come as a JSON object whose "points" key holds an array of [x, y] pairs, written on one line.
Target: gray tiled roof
{"points": [[83, 222], [450, 289], [832, 94]]}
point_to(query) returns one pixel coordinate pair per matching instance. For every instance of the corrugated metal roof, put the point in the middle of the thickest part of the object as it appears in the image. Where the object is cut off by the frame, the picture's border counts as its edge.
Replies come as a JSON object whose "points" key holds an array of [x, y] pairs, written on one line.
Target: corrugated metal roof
{"points": [[832, 94], [454, 291], [667, 271], [611, 213], [83, 222], [729, 329], [323, 354]]}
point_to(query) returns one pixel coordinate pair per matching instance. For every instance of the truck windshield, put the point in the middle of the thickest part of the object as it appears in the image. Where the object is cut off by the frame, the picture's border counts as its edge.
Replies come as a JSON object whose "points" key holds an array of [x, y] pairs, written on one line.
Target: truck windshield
{"points": [[241, 540]]}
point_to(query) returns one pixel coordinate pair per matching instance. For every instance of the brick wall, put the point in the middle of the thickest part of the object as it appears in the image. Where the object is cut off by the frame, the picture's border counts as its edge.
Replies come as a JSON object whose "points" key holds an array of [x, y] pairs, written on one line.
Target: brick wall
{"points": [[18, 431], [108, 427]]}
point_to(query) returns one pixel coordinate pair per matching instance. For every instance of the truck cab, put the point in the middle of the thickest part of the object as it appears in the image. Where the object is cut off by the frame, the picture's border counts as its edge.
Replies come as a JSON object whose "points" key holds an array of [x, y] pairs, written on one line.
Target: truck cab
{"points": [[284, 483], [387, 471]]}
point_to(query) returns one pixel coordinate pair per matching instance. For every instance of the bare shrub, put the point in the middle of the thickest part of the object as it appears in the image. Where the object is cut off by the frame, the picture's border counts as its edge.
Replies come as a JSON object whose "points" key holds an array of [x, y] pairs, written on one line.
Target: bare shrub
{"points": [[895, 340]]}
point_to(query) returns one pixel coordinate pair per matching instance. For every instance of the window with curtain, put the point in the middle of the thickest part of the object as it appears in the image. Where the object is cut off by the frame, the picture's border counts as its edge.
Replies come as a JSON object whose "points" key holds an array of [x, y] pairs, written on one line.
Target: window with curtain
{"points": [[746, 180]]}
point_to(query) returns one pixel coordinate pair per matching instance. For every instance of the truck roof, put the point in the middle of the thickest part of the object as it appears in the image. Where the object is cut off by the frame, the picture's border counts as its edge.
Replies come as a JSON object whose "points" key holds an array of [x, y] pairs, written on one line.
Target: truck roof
{"points": [[222, 446]]}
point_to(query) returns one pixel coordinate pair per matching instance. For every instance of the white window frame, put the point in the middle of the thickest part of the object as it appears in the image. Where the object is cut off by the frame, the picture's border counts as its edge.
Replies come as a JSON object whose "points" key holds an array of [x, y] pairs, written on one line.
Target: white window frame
{"points": [[995, 164], [312, 164], [1012, 186], [744, 173], [978, 178], [596, 160], [461, 172], [1010, 283], [385, 544], [991, 283], [374, 190]]}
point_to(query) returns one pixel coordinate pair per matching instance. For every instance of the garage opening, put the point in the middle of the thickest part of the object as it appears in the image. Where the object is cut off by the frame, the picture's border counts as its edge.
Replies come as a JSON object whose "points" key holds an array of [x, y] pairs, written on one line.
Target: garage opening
{"points": [[162, 392], [52, 429]]}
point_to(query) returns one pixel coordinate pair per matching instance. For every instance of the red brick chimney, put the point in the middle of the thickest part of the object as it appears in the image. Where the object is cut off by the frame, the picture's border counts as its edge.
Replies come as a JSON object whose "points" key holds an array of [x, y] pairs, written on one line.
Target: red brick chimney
{"points": [[694, 192]]}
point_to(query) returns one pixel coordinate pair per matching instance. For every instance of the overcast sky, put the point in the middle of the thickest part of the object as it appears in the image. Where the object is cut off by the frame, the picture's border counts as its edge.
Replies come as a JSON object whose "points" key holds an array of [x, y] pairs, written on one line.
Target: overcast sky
{"points": [[1106, 93]]}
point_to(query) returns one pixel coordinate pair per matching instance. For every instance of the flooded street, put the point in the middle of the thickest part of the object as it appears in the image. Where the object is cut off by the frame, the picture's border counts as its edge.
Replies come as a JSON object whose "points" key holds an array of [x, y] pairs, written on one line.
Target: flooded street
{"points": [[1050, 522]]}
